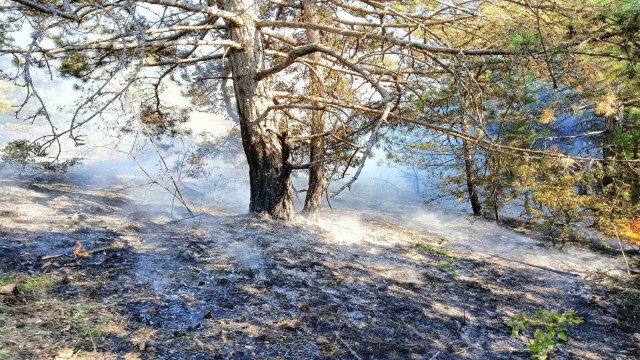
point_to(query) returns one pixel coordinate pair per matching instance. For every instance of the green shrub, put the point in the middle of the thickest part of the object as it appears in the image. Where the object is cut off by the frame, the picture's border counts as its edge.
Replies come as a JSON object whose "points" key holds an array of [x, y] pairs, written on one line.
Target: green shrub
{"points": [[547, 326], [447, 262], [22, 154]]}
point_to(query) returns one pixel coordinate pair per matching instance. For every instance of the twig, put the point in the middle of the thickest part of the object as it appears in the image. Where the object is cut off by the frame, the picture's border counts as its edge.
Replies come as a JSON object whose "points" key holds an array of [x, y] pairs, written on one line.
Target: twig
{"points": [[95, 348], [176, 183], [615, 228], [347, 346], [178, 220]]}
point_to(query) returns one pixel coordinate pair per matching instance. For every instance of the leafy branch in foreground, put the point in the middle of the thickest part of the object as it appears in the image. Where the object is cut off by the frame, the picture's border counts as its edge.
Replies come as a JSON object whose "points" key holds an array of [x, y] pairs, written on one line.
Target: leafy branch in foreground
{"points": [[548, 327], [22, 155]]}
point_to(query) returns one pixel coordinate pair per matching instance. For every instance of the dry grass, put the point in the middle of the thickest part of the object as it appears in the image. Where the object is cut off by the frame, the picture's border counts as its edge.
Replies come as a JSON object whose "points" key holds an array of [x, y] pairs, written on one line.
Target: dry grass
{"points": [[37, 323]]}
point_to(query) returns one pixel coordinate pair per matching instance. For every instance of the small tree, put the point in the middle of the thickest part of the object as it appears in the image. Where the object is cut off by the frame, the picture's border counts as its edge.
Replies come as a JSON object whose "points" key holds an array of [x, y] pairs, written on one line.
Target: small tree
{"points": [[22, 154]]}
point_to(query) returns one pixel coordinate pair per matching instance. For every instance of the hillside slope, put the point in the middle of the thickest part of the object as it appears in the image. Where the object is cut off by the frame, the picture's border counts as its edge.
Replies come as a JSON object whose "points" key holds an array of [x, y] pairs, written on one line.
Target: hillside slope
{"points": [[358, 284]]}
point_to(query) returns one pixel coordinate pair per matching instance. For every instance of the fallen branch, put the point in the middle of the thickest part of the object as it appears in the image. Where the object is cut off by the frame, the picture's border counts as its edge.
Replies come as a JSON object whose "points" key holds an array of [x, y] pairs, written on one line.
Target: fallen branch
{"points": [[615, 228], [105, 248], [178, 220]]}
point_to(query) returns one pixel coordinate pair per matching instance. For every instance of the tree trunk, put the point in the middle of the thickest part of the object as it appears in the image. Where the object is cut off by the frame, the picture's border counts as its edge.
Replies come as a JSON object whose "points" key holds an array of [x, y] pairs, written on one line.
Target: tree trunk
{"points": [[495, 166], [472, 190], [635, 178], [612, 125], [476, 206], [264, 145], [313, 199]]}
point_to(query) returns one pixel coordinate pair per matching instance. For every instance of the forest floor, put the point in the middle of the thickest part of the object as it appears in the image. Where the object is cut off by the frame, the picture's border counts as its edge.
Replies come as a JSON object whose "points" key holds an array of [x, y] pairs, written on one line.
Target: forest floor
{"points": [[358, 284]]}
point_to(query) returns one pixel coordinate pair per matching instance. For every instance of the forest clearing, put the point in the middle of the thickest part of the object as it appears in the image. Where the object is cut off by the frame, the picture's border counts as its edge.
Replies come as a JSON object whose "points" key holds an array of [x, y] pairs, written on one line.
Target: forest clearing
{"points": [[303, 179]]}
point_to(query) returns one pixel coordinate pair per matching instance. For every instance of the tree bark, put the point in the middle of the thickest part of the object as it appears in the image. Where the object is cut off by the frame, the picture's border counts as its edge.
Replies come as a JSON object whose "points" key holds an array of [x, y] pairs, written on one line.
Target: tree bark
{"points": [[612, 125], [472, 190], [264, 143], [635, 178], [476, 205], [313, 199]]}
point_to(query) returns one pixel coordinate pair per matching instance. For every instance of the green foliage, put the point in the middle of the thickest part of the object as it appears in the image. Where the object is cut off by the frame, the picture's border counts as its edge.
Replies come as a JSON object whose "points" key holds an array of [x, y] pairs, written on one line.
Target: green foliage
{"points": [[35, 282], [32, 282], [522, 39], [5, 104], [4, 280], [78, 310], [627, 142], [429, 249], [552, 200], [450, 265], [617, 204], [60, 167], [22, 154], [75, 65], [447, 262], [546, 326]]}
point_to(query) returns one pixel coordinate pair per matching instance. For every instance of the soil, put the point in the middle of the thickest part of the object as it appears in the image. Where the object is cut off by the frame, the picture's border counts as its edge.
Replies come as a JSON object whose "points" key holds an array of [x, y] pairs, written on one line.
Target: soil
{"points": [[222, 286]]}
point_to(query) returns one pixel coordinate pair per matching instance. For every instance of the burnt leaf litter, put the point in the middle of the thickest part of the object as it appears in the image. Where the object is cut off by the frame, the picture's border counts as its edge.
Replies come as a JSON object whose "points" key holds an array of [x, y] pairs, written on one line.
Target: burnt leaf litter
{"points": [[220, 286]]}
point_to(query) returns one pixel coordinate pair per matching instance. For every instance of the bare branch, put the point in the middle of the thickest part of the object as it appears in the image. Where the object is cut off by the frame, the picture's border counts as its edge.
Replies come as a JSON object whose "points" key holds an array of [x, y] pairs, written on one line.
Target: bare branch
{"points": [[389, 39]]}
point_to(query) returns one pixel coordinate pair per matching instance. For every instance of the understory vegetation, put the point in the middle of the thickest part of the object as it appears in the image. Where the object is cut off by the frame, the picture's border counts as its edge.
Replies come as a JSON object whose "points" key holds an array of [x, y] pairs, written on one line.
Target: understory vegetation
{"points": [[548, 327]]}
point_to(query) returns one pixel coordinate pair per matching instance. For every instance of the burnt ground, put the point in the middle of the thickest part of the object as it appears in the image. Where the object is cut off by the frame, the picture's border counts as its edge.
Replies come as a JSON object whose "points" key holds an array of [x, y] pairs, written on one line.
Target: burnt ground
{"points": [[219, 286]]}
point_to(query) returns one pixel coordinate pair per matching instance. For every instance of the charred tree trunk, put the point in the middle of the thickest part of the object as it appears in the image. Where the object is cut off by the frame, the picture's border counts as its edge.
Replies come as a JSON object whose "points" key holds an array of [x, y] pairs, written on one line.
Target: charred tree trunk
{"points": [[313, 199], [476, 205], [264, 145]]}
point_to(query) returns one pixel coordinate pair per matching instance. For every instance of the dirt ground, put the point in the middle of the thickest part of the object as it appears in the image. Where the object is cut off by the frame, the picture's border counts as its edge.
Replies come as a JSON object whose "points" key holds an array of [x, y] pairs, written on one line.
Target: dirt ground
{"points": [[220, 286]]}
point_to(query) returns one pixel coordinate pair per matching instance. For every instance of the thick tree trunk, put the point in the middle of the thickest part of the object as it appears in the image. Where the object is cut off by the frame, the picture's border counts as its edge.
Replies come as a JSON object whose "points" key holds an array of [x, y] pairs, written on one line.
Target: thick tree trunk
{"points": [[264, 144], [313, 199]]}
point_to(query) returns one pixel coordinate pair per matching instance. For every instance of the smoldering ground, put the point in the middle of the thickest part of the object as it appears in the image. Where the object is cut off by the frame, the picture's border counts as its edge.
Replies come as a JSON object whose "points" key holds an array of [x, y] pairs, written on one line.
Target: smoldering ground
{"points": [[167, 284], [216, 283]]}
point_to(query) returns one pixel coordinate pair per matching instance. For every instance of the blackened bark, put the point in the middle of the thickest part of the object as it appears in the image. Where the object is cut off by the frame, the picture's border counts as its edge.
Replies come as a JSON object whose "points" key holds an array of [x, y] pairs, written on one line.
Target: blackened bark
{"points": [[313, 199], [264, 146], [476, 206], [472, 190]]}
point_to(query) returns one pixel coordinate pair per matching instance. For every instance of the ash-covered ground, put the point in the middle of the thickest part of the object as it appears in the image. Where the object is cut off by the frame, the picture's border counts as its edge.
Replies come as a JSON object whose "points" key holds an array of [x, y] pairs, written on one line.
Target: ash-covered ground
{"points": [[375, 283]]}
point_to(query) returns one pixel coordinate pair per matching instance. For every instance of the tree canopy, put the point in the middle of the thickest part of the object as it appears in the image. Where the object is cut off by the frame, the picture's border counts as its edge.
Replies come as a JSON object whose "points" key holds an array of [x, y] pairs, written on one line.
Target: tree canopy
{"points": [[317, 84]]}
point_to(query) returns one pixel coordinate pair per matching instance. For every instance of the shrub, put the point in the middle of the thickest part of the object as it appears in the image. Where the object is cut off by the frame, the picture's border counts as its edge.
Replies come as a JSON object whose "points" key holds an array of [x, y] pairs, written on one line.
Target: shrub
{"points": [[22, 154], [548, 326]]}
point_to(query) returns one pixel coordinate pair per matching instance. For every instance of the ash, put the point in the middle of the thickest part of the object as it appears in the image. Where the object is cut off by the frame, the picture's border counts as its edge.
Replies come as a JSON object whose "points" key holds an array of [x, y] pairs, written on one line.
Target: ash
{"points": [[354, 285]]}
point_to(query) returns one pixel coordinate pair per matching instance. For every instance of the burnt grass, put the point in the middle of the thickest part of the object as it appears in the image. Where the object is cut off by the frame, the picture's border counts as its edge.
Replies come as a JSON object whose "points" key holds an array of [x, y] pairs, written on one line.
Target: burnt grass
{"points": [[219, 286]]}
